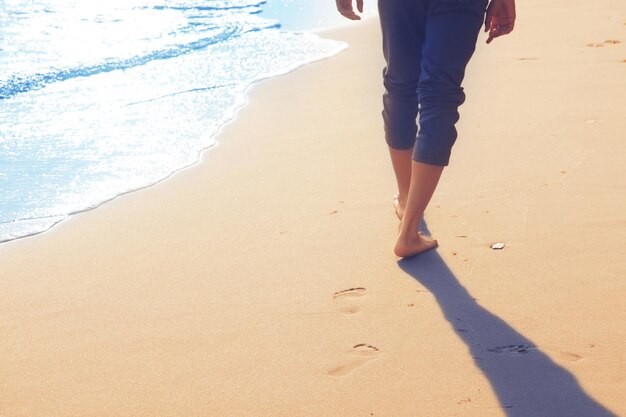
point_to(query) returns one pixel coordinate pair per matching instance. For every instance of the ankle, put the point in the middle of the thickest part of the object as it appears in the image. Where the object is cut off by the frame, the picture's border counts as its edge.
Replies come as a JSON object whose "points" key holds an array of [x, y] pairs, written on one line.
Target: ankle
{"points": [[409, 226]]}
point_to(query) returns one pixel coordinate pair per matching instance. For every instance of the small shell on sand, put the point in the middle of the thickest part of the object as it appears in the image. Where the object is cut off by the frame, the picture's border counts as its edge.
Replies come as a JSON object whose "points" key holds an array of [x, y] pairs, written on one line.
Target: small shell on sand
{"points": [[498, 245]]}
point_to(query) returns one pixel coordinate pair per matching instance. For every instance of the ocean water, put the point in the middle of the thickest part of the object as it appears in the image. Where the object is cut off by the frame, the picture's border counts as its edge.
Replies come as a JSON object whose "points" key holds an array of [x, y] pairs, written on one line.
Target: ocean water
{"points": [[99, 98]]}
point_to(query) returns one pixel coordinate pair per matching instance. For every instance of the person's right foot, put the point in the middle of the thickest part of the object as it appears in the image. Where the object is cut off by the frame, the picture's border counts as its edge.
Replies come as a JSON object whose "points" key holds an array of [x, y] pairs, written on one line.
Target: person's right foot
{"points": [[408, 246]]}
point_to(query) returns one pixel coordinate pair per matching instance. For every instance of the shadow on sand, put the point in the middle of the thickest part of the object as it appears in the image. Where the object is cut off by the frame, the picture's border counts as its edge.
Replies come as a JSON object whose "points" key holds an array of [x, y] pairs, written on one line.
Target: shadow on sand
{"points": [[527, 382]]}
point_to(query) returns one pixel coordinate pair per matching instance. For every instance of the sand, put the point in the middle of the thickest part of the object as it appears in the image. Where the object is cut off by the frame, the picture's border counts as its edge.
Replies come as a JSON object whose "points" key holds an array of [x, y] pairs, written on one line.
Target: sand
{"points": [[261, 281]]}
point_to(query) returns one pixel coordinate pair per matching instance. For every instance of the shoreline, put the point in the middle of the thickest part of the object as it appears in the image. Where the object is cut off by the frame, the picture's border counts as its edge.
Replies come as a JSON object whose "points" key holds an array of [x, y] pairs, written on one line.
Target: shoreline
{"points": [[67, 216], [271, 289]]}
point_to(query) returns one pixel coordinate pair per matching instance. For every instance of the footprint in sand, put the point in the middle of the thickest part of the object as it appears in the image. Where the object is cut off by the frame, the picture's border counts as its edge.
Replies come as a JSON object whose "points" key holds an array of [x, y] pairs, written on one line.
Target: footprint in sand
{"points": [[346, 299], [358, 356], [603, 44], [512, 350], [569, 356]]}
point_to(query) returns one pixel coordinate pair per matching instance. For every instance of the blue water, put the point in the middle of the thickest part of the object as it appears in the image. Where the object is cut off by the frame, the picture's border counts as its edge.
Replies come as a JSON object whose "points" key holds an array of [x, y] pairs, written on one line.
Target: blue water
{"points": [[100, 98]]}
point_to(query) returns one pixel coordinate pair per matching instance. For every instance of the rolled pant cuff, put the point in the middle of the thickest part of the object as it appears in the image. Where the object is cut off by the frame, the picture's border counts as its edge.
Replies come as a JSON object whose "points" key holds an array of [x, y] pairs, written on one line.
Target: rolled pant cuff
{"points": [[430, 158]]}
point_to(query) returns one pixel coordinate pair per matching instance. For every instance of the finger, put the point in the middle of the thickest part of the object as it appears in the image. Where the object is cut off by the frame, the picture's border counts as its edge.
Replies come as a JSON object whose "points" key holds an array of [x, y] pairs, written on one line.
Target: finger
{"points": [[503, 22], [493, 33], [345, 8], [359, 5], [499, 30], [504, 29], [350, 14], [492, 30]]}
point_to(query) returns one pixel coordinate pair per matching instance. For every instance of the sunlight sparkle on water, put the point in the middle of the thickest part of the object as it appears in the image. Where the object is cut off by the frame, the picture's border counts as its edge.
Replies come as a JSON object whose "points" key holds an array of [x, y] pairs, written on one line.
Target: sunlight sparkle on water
{"points": [[99, 98]]}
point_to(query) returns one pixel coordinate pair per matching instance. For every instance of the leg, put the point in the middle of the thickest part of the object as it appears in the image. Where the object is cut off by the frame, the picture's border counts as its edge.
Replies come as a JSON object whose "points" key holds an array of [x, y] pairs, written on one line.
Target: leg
{"points": [[401, 161], [424, 179], [451, 29], [451, 32], [402, 24]]}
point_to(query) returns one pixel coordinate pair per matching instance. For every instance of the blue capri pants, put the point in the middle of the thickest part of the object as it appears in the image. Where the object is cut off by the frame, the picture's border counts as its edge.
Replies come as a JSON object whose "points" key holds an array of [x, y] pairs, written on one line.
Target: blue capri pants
{"points": [[427, 45]]}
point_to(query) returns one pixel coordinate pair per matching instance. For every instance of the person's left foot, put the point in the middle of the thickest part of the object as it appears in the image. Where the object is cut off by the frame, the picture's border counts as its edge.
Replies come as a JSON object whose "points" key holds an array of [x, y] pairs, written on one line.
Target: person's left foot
{"points": [[399, 208]]}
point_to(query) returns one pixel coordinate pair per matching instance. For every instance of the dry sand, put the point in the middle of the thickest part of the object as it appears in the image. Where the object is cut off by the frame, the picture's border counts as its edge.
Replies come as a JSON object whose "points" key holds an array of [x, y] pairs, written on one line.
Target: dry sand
{"points": [[261, 281]]}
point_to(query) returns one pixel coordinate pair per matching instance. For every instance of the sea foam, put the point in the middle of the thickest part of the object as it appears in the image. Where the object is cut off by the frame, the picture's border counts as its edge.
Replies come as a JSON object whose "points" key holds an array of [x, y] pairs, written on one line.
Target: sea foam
{"points": [[97, 100]]}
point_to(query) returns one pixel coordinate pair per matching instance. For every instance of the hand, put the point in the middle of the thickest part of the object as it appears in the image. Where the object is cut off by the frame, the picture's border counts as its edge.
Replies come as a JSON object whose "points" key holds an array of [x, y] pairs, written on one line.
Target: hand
{"points": [[500, 18], [345, 8]]}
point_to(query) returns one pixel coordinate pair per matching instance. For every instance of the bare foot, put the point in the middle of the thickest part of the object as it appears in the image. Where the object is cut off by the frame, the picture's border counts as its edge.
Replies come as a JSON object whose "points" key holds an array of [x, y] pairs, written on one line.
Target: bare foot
{"points": [[399, 208], [415, 244]]}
